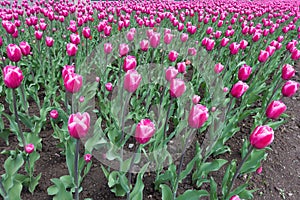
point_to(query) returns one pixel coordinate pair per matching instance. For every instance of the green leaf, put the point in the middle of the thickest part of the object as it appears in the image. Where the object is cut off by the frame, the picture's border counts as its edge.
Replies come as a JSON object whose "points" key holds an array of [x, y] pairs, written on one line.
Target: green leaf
{"points": [[213, 189], [70, 155], [24, 118], [193, 195], [229, 173], [254, 161], [137, 192], [34, 181], [59, 193], [12, 165], [166, 192], [187, 170], [4, 135], [15, 192]]}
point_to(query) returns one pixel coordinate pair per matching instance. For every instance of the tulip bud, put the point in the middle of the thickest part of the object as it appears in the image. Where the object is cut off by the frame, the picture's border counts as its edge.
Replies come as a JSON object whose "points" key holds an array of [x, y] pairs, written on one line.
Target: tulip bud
{"points": [[13, 52], [71, 49], [108, 86], [38, 35], [198, 116], [224, 42], [263, 56], [54, 114], [225, 89], [275, 109], [12, 76], [239, 89], [154, 40], [81, 99], [49, 41], [29, 148], [181, 67], [173, 56], [261, 137], [123, 49], [130, 36], [73, 82], [86, 32], [290, 88], [75, 39], [184, 37], [287, 72], [295, 54], [259, 170], [87, 158], [243, 44], [235, 197], [196, 99], [107, 30], [129, 63], [234, 48], [145, 129], [210, 45], [171, 73], [177, 87], [244, 72], [67, 69], [168, 38], [78, 125], [144, 45], [218, 68], [107, 48], [132, 80], [25, 48]]}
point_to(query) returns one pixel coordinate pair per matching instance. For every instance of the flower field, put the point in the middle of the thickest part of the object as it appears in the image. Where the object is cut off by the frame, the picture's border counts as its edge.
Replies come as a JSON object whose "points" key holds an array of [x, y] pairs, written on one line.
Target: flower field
{"points": [[140, 99]]}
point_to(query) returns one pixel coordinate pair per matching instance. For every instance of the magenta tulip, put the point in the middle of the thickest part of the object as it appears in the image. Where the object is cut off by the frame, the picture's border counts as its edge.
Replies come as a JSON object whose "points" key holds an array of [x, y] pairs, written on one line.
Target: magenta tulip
{"points": [[196, 99], [25, 48], [243, 44], [78, 125], [224, 42], [218, 68], [263, 56], [54, 114], [132, 80], [171, 73], [123, 49], [73, 82], [12, 76], [184, 37], [130, 36], [75, 39], [38, 35], [181, 67], [109, 87], [234, 48], [210, 44], [261, 137], [198, 116], [290, 88], [275, 109], [239, 89], [154, 40], [287, 72], [107, 30], [49, 41], [259, 170], [168, 38], [244, 72], [87, 158], [144, 45], [86, 32], [107, 48], [14, 52], [29, 148], [177, 87], [173, 56], [67, 69], [145, 129], [235, 197]]}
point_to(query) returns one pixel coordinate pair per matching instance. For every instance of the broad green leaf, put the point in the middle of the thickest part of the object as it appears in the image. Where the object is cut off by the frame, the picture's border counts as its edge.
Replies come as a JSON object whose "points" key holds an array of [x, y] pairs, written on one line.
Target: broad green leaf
{"points": [[254, 161], [137, 192], [213, 189], [15, 192], [34, 181], [193, 195], [12, 165], [166, 192]]}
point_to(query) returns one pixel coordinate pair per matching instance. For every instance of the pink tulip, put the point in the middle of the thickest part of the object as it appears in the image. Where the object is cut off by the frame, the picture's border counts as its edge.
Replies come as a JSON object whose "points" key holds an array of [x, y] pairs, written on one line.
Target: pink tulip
{"points": [[198, 116], [73, 82], [225, 89], [49, 41], [171, 73], [13, 52], [38, 35], [107, 48], [224, 42], [68, 69], [78, 125], [12, 76], [261, 137], [271, 50], [204, 41], [130, 36], [81, 99], [235, 197], [244, 72], [177, 87], [29, 148], [210, 45], [256, 37], [123, 49], [86, 32], [259, 170], [145, 129], [192, 51], [295, 54], [87, 158], [184, 37], [129, 63], [181, 67], [43, 26], [144, 45], [196, 99], [275, 109], [75, 39], [71, 49], [218, 34], [234, 48], [243, 44], [173, 56], [263, 56], [132, 80], [218, 68], [109, 87], [154, 40], [290, 88], [25, 48], [287, 72], [209, 30], [54, 114], [239, 89], [107, 30]]}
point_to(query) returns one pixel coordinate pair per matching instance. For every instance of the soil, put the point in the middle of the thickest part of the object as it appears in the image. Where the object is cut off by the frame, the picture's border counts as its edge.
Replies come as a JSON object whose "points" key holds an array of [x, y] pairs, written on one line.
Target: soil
{"points": [[280, 178]]}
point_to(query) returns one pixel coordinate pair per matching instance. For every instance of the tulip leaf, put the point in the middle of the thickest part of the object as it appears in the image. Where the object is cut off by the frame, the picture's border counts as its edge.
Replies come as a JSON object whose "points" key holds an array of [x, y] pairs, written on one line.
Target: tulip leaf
{"points": [[187, 170], [166, 192], [12, 165], [137, 192], [34, 181], [15, 191], [254, 161], [193, 195], [229, 173]]}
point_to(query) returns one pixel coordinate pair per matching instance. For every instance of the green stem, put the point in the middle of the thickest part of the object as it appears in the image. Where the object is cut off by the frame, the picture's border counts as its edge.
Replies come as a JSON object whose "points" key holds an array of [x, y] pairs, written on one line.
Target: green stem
{"points": [[167, 117], [129, 172], [17, 118], [76, 169], [86, 47], [66, 102], [123, 116]]}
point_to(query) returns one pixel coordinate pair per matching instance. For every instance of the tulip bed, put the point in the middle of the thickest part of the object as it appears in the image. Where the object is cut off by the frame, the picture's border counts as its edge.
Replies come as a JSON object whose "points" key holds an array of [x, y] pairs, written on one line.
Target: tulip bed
{"points": [[157, 89]]}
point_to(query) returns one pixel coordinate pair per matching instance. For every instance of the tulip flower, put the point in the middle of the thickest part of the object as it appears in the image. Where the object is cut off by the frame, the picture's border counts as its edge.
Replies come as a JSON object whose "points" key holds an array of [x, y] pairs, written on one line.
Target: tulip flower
{"points": [[107, 48], [14, 52], [168, 38], [192, 51], [130, 36], [86, 32], [234, 48], [54, 114], [123, 49], [78, 125], [67, 69], [224, 42], [244, 72], [210, 45], [29, 148], [12, 76], [154, 40], [239, 89], [75, 39], [218, 68], [287, 72], [81, 99], [173, 56], [295, 54], [87, 157], [198, 116], [263, 56], [129, 63], [107, 30], [171, 73], [275, 109], [145, 129], [290, 88], [132, 80], [184, 37], [259, 170], [196, 99], [243, 44], [38, 35], [235, 197], [181, 67], [71, 49], [49, 41], [108, 86], [177, 87], [73, 82], [261, 137], [25, 48]]}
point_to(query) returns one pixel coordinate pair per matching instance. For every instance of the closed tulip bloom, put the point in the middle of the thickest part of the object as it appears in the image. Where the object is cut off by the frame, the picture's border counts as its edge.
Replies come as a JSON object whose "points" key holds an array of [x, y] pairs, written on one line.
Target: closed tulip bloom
{"points": [[263, 56], [295, 54], [256, 37], [145, 129], [54, 114], [244, 72], [38, 35], [123, 49], [261, 137], [290, 88], [196, 99], [130, 36], [154, 40], [12, 76], [234, 48], [129, 63], [68, 69], [75, 39], [132, 80], [209, 30], [14, 52], [218, 34], [144, 45], [218, 68], [109, 87], [239, 89], [73, 82], [259, 170], [168, 38], [86, 32], [181, 67], [29, 148], [204, 41], [49, 41], [171, 73], [43, 26], [107, 30], [184, 37], [177, 87], [87, 157], [235, 197], [192, 51], [78, 125], [198, 116], [25, 48], [71, 49], [224, 42], [173, 56], [275, 109], [287, 72], [243, 44], [107, 48], [271, 50], [210, 45]]}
